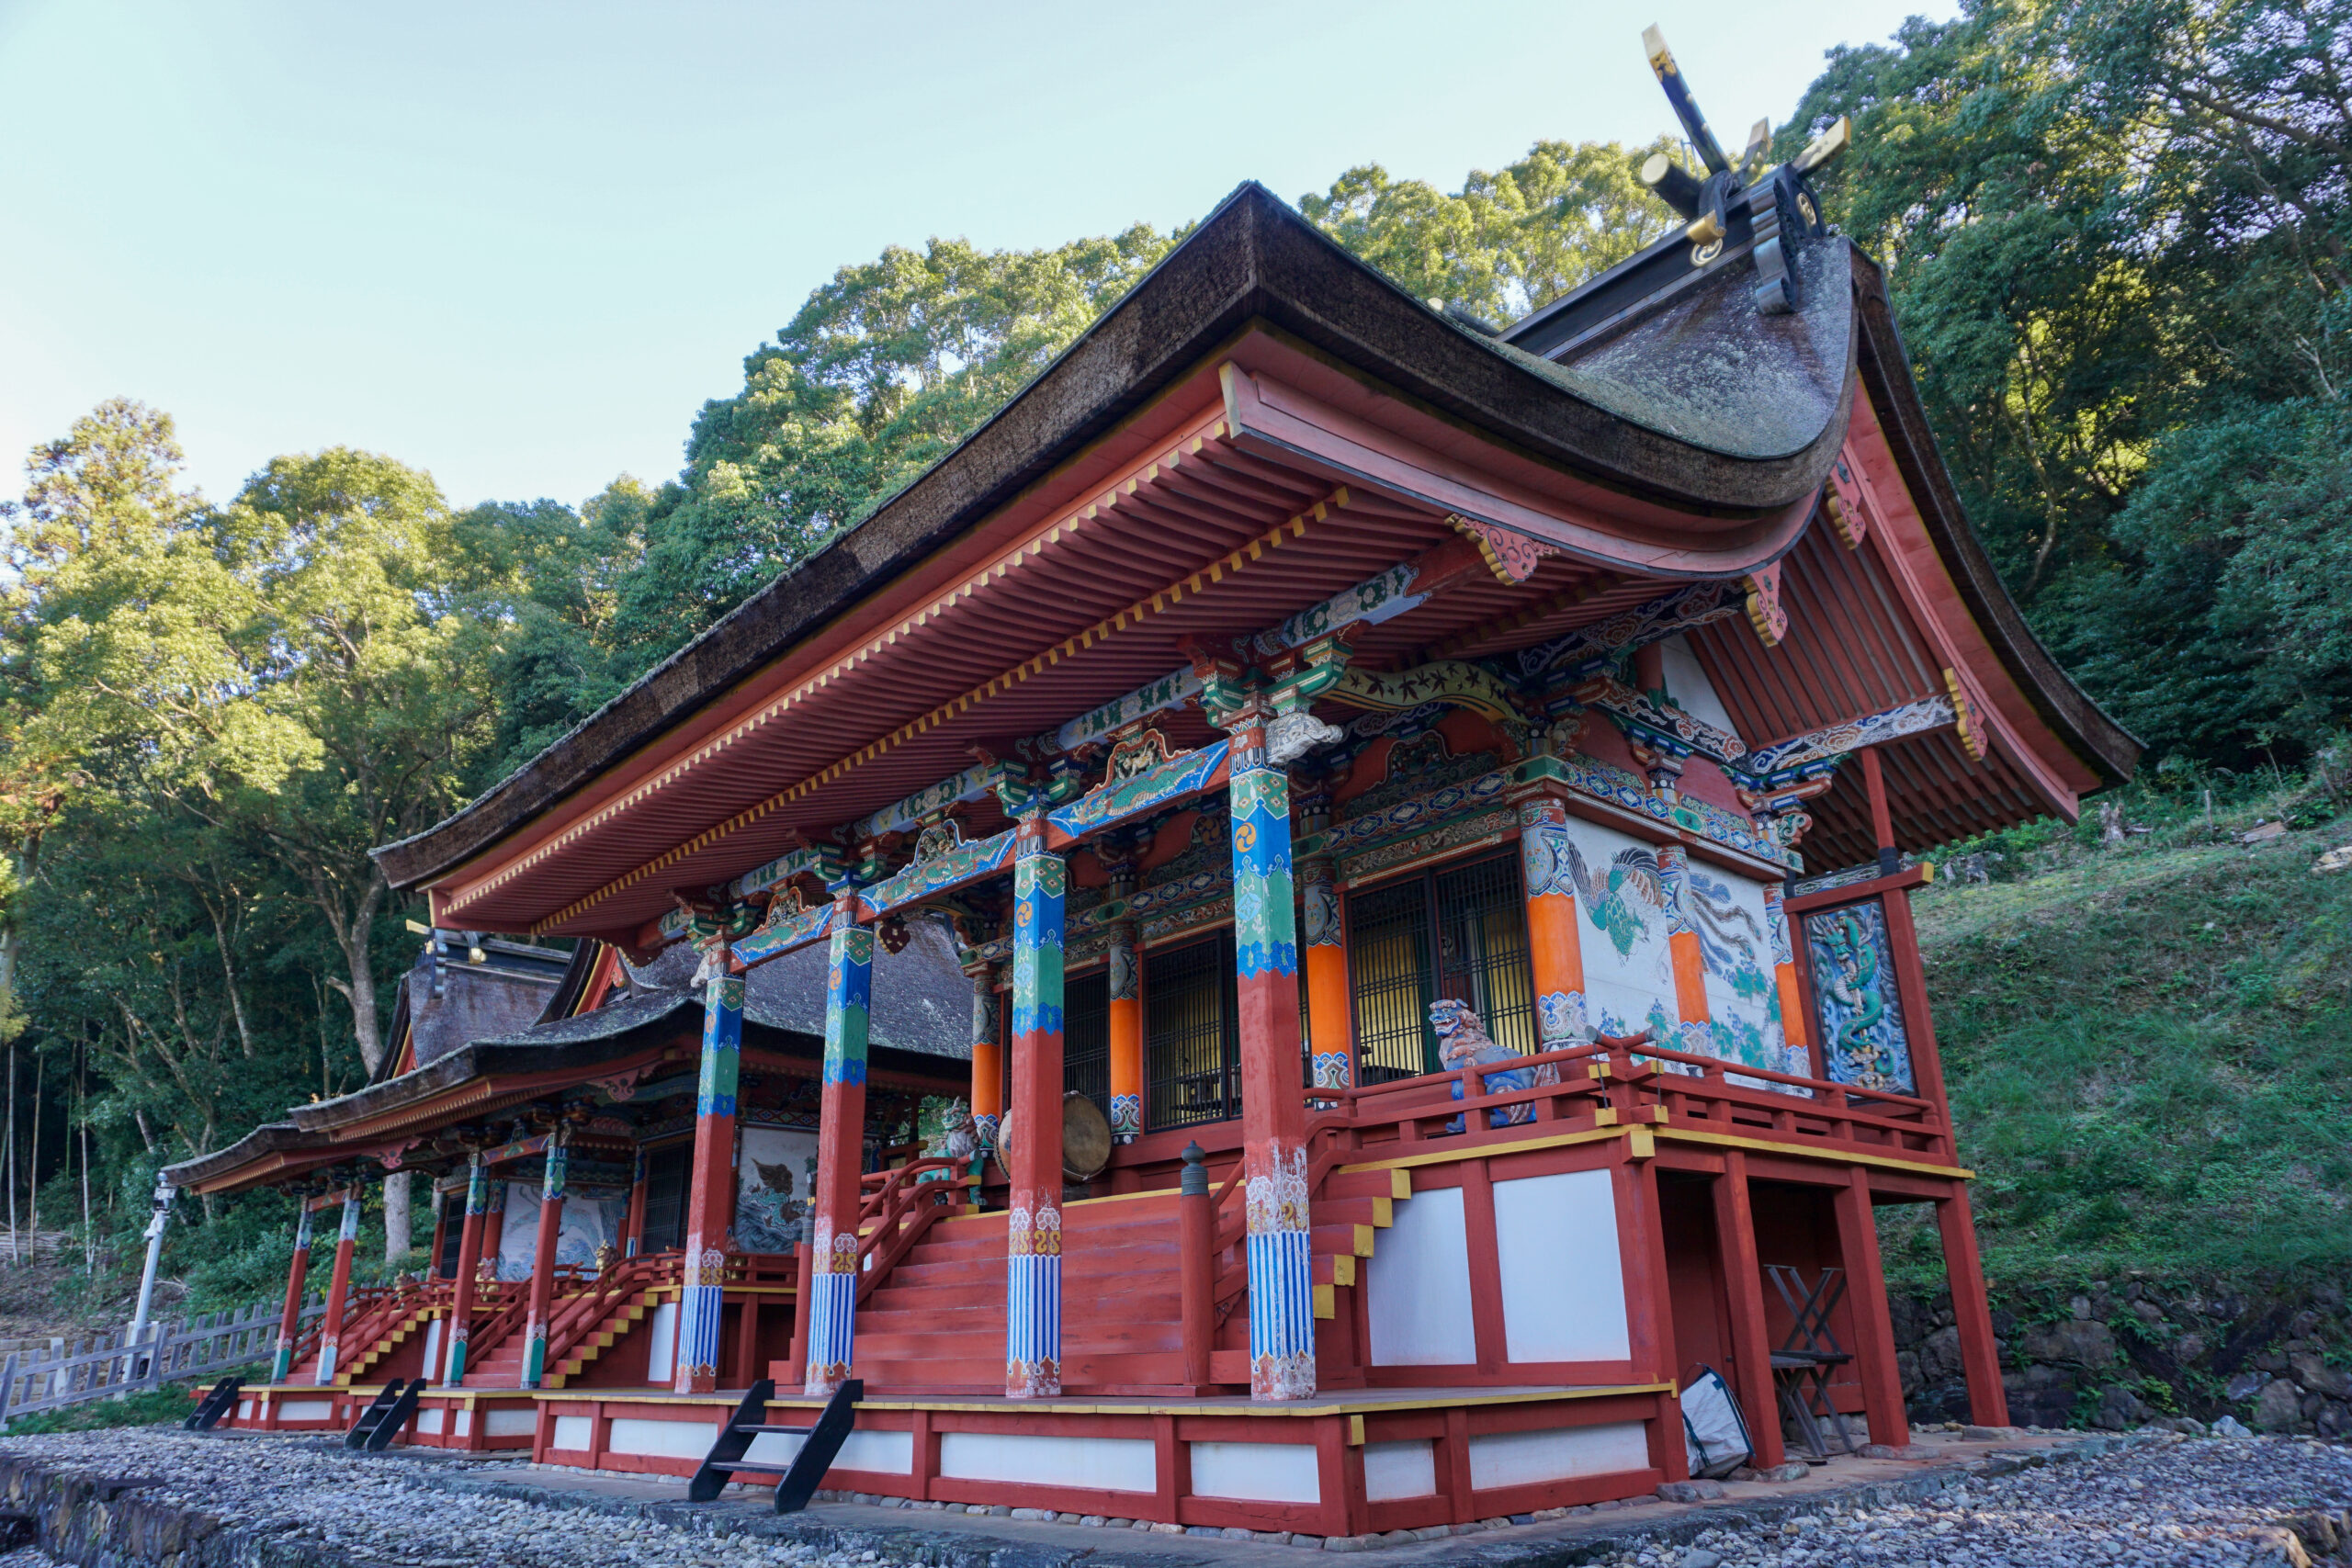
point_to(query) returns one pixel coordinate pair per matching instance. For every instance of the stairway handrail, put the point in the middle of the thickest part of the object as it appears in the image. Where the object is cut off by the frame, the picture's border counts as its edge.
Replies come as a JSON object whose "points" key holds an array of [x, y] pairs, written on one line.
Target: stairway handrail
{"points": [[901, 1211]]}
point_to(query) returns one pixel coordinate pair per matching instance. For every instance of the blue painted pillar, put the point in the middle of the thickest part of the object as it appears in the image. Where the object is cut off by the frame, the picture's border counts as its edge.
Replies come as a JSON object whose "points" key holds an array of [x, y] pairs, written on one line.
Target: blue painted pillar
{"points": [[841, 1159], [711, 1200], [1033, 1317]]}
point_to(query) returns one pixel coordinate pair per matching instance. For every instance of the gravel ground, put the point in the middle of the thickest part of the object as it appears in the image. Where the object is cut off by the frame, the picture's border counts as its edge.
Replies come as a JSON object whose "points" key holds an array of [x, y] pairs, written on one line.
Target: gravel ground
{"points": [[2174, 1501], [2171, 1501]]}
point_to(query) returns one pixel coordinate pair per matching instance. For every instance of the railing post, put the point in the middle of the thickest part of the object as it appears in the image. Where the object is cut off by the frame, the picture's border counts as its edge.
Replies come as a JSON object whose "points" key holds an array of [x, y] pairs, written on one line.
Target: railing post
{"points": [[799, 1355], [8, 1388], [1196, 1263]]}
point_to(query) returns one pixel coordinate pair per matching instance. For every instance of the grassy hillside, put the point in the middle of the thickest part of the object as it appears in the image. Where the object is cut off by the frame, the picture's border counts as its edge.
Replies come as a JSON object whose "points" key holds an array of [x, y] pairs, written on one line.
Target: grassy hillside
{"points": [[2149, 1049]]}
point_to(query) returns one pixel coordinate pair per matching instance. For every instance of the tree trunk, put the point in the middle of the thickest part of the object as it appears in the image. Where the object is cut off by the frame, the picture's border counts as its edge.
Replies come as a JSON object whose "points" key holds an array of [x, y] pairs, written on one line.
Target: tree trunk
{"points": [[362, 992], [396, 1201]]}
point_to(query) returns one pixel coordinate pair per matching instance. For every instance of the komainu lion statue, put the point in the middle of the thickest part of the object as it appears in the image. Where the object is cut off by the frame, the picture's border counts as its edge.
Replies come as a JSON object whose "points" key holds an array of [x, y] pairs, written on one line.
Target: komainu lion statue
{"points": [[1463, 1040]]}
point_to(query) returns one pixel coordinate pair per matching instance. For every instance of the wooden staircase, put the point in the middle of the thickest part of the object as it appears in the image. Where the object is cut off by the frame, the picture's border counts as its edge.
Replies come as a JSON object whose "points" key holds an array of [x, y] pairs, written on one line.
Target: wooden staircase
{"points": [[584, 1326], [381, 1326]]}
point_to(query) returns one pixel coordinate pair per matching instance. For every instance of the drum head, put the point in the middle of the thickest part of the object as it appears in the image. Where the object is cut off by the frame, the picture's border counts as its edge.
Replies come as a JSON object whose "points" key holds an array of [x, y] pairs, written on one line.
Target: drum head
{"points": [[1086, 1138]]}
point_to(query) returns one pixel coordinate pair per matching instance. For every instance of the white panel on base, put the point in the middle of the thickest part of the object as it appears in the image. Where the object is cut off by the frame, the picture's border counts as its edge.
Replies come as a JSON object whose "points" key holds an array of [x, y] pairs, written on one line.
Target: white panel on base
{"points": [[433, 1367], [1563, 1453], [465, 1422], [1419, 1285], [244, 1410], [430, 1421], [510, 1423], [1102, 1464], [573, 1433], [1562, 1275], [662, 1356], [1257, 1472], [1392, 1471], [305, 1409], [890, 1453], [660, 1439]]}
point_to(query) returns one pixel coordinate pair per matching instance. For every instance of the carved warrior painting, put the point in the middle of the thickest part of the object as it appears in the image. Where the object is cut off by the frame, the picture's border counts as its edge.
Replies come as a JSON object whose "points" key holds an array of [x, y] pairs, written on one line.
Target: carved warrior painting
{"points": [[1627, 911], [1860, 1014], [589, 1222], [774, 1169]]}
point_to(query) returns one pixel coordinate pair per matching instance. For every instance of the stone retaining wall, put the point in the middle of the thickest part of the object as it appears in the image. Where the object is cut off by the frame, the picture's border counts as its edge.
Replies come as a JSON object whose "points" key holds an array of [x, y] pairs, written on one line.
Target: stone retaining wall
{"points": [[104, 1522], [2116, 1354]]}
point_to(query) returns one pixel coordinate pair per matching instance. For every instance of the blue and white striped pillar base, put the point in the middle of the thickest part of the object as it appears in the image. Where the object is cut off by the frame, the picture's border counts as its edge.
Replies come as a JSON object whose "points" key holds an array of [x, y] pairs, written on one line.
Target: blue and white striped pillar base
{"points": [[1281, 1282], [1032, 1304], [832, 1328], [700, 1304]]}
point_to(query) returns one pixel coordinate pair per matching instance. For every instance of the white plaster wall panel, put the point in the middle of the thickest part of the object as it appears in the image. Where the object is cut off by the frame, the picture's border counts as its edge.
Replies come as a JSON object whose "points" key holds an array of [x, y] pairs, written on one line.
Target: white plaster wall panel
{"points": [[1104, 1464], [660, 1439], [1393, 1471], [1418, 1285], [465, 1423], [890, 1453], [574, 1433], [661, 1356], [1563, 1271], [433, 1367], [1560, 1453], [510, 1423], [1687, 684], [430, 1421], [305, 1409], [1257, 1472], [244, 1410], [1622, 933]]}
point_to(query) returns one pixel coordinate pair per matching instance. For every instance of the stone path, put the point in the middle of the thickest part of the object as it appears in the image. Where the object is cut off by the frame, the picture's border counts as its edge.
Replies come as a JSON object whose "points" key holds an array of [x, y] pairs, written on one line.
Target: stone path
{"points": [[2162, 1499]]}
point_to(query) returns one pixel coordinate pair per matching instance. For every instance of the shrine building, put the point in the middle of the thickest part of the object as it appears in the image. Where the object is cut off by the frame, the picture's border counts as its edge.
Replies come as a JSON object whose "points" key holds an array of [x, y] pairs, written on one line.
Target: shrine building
{"points": [[1399, 830]]}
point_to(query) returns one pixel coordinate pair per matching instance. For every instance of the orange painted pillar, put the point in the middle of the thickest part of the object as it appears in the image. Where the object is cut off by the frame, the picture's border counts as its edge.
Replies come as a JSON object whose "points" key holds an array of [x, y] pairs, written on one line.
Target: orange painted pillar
{"points": [[551, 1195], [462, 1304], [289, 1320], [1126, 1036], [710, 1193], [1033, 1317], [1330, 1022], [988, 1055], [493, 1224], [1690, 967], [1797, 1028], [841, 1159], [1555, 947]]}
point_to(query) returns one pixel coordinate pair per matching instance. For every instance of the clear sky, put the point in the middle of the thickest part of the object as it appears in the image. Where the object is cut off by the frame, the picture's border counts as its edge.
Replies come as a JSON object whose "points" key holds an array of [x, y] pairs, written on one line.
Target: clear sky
{"points": [[519, 245]]}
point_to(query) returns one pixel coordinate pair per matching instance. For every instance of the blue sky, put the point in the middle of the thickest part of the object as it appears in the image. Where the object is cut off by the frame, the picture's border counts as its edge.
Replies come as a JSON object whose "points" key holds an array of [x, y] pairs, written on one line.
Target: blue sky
{"points": [[519, 245]]}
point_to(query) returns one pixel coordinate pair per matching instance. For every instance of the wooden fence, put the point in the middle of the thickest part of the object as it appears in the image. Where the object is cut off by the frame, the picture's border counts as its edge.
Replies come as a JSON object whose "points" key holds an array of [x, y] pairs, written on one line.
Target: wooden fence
{"points": [[107, 1366]]}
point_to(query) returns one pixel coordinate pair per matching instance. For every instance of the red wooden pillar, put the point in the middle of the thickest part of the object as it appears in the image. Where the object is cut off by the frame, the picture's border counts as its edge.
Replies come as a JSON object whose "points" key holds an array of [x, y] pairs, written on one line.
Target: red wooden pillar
{"points": [[633, 1228], [1197, 1265], [1751, 1345], [289, 1320], [1890, 859], [1033, 1317], [840, 1158], [338, 1288], [462, 1304], [493, 1222], [543, 1250], [440, 1235], [711, 1200], [1979, 1352], [1873, 1324]]}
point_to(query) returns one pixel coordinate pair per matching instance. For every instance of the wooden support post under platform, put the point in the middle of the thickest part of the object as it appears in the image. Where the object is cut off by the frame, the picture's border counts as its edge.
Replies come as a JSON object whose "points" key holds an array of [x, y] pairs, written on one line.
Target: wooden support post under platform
{"points": [[1032, 1314], [633, 1227], [1197, 1265], [1980, 1351], [338, 1288], [1874, 1323], [1274, 1118], [1751, 1344], [1126, 1021], [1555, 947], [710, 1198], [1330, 1024], [461, 1303], [841, 1159], [289, 1320], [494, 1222], [552, 1192]]}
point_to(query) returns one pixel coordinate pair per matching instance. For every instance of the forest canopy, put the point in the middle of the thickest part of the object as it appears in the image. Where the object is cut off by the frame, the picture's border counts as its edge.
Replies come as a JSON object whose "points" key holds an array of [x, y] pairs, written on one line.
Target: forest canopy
{"points": [[2116, 239]]}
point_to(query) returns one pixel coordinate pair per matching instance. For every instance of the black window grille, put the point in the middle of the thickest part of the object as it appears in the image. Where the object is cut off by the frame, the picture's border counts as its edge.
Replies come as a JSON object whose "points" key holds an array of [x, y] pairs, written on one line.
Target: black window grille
{"points": [[1460, 933], [665, 1198], [1086, 1038], [453, 1235], [1192, 1043]]}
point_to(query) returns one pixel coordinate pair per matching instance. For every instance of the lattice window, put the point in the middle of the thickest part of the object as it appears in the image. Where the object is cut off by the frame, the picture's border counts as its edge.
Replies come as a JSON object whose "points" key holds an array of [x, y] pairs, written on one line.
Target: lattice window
{"points": [[665, 1197], [1192, 1044], [1086, 1038], [1458, 933], [453, 1226]]}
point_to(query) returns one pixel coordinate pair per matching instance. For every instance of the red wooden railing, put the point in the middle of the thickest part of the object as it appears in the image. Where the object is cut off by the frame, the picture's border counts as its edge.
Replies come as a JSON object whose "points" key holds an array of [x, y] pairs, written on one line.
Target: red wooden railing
{"points": [[574, 1317], [895, 1209]]}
